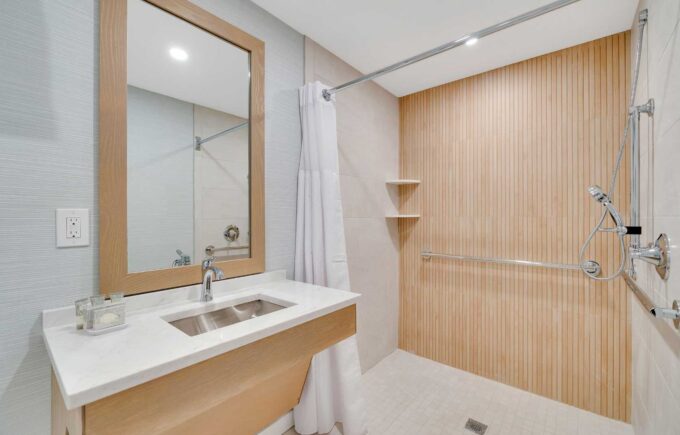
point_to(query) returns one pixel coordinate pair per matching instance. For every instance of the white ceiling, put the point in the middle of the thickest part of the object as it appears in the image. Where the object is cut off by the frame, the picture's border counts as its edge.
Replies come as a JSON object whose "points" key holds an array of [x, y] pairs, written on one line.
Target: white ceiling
{"points": [[215, 75], [371, 34]]}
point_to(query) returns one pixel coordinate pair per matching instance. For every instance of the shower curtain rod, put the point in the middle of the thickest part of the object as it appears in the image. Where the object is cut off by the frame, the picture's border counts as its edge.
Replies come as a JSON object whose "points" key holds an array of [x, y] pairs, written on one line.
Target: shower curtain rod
{"points": [[453, 44], [198, 141]]}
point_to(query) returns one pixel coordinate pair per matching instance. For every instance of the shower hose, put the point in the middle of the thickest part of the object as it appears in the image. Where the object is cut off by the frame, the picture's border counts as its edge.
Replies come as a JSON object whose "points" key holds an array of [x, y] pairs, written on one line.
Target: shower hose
{"points": [[622, 146]]}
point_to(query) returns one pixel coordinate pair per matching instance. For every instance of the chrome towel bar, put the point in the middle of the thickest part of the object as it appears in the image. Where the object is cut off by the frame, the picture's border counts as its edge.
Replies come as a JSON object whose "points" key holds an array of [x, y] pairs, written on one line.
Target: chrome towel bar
{"points": [[646, 301], [591, 266]]}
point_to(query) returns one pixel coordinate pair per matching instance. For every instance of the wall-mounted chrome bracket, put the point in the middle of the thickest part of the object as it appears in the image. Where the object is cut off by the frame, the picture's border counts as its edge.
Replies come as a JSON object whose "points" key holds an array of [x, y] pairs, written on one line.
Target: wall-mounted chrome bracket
{"points": [[656, 254], [653, 309], [592, 267], [669, 313], [642, 17], [647, 108]]}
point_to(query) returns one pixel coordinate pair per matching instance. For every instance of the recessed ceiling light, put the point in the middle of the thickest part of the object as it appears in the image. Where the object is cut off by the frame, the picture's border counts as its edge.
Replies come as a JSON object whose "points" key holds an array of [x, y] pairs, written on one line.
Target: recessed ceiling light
{"points": [[178, 54], [471, 41]]}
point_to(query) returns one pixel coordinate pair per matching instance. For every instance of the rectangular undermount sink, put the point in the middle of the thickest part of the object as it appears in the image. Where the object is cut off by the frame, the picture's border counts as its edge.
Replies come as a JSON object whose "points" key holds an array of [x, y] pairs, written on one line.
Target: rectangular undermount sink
{"points": [[219, 318]]}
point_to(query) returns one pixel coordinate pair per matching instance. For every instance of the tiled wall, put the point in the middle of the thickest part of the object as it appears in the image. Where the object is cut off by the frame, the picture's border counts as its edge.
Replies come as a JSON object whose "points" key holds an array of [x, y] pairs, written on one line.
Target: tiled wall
{"points": [[160, 161], [284, 73], [220, 183], [368, 140], [656, 343], [48, 159]]}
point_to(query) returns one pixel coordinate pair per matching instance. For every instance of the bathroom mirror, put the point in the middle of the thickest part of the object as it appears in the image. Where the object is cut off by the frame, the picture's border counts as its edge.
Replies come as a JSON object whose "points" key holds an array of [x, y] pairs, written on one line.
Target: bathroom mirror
{"points": [[181, 146]]}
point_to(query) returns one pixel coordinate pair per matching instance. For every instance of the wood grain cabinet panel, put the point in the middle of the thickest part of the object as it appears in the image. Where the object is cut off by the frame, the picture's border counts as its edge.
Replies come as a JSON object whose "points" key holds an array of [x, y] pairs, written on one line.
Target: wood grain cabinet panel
{"points": [[239, 392]]}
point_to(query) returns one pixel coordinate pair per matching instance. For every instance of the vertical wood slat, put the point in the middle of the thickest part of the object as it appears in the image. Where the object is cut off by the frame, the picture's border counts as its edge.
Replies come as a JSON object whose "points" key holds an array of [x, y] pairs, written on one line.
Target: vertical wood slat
{"points": [[505, 158]]}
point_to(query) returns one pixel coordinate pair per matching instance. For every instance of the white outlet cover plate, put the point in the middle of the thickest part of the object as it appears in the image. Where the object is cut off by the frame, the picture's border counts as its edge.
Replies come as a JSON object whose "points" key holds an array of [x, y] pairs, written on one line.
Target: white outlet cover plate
{"points": [[62, 215]]}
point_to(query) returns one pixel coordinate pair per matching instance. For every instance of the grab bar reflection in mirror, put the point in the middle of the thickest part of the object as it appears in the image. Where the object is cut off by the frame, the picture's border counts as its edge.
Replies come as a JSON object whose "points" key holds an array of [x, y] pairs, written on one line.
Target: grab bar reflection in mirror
{"points": [[210, 249]]}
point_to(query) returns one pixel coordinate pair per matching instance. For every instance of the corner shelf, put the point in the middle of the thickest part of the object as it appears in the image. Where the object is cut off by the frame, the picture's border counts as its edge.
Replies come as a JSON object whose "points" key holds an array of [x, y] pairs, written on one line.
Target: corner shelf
{"points": [[402, 182], [403, 216]]}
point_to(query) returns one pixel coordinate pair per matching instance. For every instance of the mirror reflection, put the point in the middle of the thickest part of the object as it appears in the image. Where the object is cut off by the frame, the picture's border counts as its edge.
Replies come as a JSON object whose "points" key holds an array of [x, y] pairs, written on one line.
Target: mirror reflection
{"points": [[187, 143]]}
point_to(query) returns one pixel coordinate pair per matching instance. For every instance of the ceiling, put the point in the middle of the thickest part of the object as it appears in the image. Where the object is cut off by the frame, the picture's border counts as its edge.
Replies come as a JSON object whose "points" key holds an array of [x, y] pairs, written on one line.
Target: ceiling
{"points": [[371, 34], [216, 74]]}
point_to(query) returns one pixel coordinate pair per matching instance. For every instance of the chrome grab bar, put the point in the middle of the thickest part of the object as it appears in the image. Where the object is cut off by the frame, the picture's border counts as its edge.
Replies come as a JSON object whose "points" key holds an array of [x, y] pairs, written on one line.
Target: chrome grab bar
{"points": [[591, 266], [646, 301], [210, 249]]}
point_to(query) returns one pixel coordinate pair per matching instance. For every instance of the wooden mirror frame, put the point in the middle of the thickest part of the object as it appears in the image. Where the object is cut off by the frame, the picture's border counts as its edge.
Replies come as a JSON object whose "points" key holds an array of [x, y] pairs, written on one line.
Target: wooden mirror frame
{"points": [[113, 232]]}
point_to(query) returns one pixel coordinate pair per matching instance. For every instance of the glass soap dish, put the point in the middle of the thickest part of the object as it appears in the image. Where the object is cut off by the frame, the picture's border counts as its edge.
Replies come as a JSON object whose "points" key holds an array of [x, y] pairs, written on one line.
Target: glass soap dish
{"points": [[100, 315]]}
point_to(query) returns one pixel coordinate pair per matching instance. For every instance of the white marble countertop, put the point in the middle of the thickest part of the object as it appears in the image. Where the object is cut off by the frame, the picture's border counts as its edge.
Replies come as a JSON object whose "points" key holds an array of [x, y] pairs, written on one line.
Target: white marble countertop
{"points": [[89, 368]]}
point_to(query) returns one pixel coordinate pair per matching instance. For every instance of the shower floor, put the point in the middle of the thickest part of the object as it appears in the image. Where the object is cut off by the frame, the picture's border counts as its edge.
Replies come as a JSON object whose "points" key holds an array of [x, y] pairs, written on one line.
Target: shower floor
{"points": [[407, 394]]}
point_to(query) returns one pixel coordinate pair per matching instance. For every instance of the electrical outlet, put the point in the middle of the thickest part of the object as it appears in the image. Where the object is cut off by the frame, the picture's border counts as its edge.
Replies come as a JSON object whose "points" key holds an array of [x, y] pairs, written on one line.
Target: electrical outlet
{"points": [[73, 227]]}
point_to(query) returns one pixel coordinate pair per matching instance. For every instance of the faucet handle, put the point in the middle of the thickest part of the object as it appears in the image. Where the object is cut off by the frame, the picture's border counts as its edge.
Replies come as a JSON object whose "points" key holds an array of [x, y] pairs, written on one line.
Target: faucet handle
{"points": [[208, 262]]}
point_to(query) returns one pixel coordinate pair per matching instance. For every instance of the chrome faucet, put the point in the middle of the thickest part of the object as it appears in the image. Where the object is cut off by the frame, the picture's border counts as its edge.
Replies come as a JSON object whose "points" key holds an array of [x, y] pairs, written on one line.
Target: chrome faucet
{"points": [[210, 272]]}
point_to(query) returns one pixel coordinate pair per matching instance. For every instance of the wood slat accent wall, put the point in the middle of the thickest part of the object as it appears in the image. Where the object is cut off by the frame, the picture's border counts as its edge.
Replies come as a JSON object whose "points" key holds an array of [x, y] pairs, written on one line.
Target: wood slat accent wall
{"points": [[505, 158]]}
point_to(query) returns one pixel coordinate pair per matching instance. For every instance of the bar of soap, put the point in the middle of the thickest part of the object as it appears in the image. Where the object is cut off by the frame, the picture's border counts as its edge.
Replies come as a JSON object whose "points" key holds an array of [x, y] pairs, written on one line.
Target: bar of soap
{"points": [[108, 318]]}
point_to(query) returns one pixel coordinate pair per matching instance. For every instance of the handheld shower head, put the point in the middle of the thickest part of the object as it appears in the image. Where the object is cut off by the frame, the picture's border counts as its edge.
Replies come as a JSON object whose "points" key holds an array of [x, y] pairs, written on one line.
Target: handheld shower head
{"points": [[620, 230], [598, 194]]}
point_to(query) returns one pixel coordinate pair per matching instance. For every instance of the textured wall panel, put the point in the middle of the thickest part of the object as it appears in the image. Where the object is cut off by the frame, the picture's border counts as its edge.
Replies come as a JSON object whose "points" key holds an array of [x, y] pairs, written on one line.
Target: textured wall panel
{"points": [[505, 158], [48, 159], [48, 153]]}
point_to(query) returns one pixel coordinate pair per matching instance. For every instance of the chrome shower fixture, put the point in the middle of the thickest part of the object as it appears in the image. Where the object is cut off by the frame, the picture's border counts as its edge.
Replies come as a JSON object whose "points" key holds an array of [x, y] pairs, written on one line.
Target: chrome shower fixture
{"points": [[647, 108], [620, 230], [601, 197], [597, 193], [656, 254]]}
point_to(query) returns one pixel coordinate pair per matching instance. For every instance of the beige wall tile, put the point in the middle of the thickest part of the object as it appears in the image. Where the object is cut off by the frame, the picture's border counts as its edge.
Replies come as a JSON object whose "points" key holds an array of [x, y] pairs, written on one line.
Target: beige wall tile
{"points": [[656, 343], [368, 141]]}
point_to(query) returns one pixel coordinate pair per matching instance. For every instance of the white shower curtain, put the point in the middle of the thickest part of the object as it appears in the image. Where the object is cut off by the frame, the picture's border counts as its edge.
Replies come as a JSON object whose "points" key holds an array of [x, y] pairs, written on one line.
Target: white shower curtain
{"points": [[332, 392]]}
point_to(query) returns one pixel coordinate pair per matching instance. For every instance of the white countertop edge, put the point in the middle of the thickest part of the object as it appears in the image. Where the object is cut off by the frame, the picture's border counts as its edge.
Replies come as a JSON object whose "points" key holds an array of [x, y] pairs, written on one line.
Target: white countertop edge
{"points": [[75, 399]]}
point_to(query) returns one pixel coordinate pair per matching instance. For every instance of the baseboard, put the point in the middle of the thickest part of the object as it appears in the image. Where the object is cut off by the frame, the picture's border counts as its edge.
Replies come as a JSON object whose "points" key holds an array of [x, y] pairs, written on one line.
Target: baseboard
{"points": [[280, 426]]}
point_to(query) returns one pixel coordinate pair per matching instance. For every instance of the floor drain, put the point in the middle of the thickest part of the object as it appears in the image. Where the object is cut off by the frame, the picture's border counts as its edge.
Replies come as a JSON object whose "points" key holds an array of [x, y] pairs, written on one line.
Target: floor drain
{"points": [[476, 426]]}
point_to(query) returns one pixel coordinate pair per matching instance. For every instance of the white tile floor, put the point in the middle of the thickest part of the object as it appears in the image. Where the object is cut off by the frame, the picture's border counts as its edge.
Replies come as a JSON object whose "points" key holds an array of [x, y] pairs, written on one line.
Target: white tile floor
{"points": [[407, 394]]}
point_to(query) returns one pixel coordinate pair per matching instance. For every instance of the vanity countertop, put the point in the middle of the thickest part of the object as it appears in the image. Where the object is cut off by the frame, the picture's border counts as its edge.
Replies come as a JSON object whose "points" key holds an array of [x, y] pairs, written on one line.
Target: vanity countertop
{"points": [[89, 368]]}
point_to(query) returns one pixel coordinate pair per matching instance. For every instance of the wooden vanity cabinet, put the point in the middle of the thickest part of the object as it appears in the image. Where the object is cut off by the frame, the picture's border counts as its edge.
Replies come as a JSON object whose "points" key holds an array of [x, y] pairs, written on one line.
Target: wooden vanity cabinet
{"points": [[239, 392]]}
